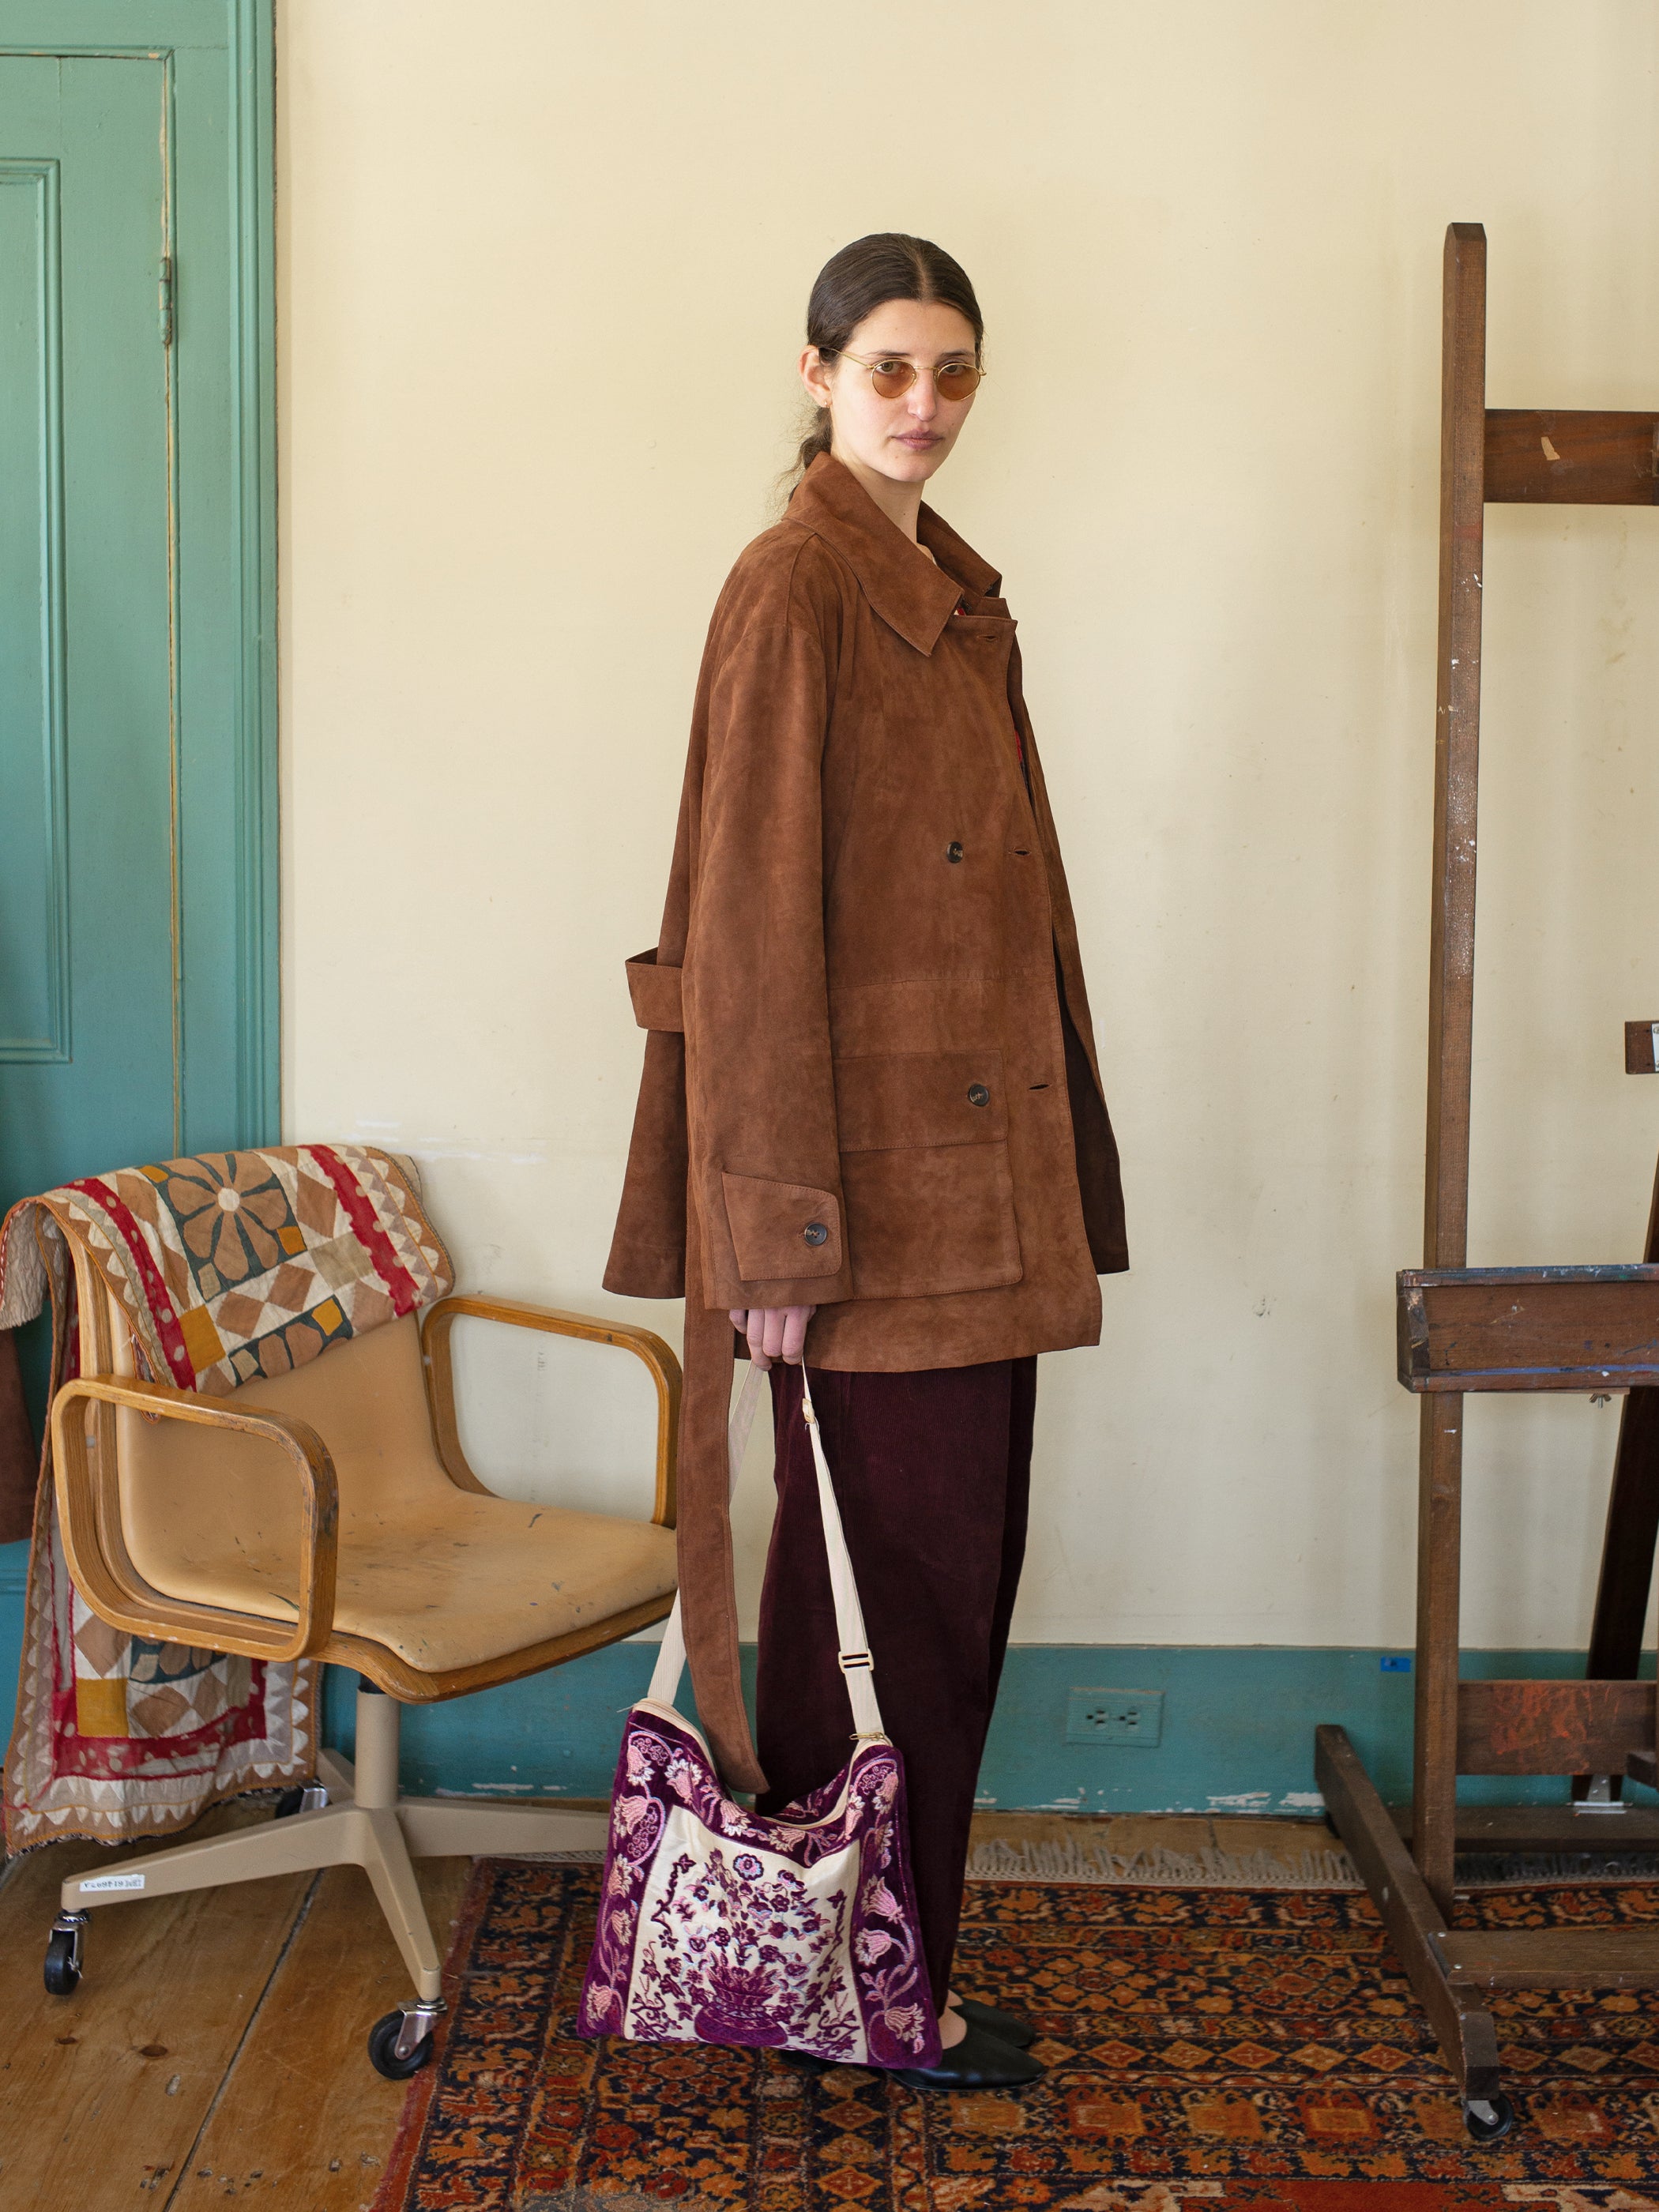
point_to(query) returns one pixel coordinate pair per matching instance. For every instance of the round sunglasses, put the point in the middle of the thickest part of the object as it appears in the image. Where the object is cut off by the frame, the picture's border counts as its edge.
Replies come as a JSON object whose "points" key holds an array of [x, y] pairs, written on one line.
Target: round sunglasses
{"points": [[892, 377]]}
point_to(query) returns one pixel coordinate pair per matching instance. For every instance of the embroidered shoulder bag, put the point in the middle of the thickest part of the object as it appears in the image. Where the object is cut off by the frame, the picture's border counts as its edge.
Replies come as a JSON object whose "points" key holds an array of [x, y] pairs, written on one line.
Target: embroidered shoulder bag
{"points": [[797, 1930]]}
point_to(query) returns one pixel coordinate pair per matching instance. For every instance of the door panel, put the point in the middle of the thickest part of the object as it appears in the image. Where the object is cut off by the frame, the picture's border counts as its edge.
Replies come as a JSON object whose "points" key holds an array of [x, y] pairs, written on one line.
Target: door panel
{"points": [[139, 969], [88, 1043]]}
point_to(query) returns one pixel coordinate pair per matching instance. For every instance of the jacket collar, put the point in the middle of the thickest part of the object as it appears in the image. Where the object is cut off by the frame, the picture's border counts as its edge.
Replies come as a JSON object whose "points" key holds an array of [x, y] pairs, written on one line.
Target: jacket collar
{"points": [[907, 589]]}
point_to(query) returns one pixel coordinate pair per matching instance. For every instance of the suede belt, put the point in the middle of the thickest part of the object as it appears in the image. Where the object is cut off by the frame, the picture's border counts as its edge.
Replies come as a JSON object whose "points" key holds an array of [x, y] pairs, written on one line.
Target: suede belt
{"points": [[708, 1600], [708, 1603]]}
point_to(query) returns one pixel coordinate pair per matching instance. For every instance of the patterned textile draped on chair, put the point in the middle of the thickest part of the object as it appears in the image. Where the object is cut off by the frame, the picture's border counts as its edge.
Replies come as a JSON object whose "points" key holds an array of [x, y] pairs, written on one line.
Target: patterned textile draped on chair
{"points": [[224, 1269]]}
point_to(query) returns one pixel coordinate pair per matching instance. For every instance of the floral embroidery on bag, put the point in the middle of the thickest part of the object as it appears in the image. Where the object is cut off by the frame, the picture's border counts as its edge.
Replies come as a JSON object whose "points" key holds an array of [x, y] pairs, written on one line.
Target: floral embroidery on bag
{"points": [[719, 1925]]}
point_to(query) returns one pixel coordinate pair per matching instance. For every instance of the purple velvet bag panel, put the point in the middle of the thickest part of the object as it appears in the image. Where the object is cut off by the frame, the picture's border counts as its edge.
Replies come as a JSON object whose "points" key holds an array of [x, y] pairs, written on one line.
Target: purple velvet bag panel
{"points": [[721, 1925]]}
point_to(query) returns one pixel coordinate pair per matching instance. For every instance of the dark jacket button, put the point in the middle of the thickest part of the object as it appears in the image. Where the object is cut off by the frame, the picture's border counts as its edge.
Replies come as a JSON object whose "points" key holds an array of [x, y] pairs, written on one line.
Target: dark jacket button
{"points": [[953, 851], [978, 1095], [816, 1233]]}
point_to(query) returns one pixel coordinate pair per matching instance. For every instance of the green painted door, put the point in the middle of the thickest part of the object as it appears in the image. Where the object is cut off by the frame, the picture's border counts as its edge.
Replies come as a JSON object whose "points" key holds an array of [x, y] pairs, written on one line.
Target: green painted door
{"points": [[138, 972], [138, 964], [88, 1021]]}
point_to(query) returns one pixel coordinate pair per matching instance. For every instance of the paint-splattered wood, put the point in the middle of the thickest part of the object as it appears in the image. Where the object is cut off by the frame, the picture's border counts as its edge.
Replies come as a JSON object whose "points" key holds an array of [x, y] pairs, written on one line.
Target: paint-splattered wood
{"points": [[1580, 1328], [1551, 1728], [1451, 1021], [1577, 457], [304, 2123], [102, 2094]]}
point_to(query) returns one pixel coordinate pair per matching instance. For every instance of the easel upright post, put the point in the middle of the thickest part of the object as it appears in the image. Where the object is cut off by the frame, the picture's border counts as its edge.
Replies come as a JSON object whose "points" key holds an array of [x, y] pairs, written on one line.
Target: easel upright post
{"points": [[1587, 1330], [1451, 1021]]}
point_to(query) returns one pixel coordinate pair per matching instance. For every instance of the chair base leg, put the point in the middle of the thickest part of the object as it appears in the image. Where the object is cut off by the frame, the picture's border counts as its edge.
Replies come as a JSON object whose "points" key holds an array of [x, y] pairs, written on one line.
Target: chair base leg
{"points": [[383, 1839], [338, 1835], [483, 1828]]}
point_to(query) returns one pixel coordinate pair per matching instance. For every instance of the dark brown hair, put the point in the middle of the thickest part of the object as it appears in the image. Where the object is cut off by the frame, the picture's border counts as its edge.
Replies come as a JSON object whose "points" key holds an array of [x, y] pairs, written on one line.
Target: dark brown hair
{"points": [[854, 283]]}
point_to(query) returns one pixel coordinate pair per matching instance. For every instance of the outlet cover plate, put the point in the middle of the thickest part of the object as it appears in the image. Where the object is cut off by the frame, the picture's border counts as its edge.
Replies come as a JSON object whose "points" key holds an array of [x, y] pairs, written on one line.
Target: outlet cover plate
{"points": [[1131, 1717]]}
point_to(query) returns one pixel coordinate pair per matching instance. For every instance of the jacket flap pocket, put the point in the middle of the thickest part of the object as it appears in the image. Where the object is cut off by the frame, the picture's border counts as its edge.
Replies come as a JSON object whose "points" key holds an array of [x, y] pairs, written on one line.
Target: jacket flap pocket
{"points": [[886, 1101], [655, 991], [781, 1231]]}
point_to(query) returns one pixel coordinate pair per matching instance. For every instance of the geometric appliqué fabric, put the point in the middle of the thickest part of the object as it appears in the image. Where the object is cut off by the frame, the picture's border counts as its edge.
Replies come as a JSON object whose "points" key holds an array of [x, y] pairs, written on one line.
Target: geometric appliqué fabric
{"points": [[227, 1266]]}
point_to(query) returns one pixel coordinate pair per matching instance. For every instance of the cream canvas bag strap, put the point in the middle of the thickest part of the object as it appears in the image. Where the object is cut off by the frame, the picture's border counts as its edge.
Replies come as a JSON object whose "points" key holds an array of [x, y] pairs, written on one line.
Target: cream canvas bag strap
{"points": [[854, 1653]]}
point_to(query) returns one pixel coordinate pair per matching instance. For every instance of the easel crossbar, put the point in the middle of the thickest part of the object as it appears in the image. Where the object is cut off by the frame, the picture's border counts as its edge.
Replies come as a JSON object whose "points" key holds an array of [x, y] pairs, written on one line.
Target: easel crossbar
{"points": [[1551, 1958], [1518, 1727], [1529, 1328], [1572, 459]]}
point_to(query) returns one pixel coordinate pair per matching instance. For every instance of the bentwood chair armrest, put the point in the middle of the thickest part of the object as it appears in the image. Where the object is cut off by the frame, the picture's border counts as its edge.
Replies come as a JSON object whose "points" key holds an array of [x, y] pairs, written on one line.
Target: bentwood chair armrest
{"points": [[438, 1365], [89, 1509]]}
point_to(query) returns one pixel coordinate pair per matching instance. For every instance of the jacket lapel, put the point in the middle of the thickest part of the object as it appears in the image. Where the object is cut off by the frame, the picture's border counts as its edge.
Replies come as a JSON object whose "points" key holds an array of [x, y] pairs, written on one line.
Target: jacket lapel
{"points": [[912, 595]]}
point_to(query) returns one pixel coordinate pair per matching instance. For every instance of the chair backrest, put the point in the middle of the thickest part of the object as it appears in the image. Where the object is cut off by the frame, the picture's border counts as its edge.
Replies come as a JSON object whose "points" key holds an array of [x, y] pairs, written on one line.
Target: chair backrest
{"points": [[186, 1489]]}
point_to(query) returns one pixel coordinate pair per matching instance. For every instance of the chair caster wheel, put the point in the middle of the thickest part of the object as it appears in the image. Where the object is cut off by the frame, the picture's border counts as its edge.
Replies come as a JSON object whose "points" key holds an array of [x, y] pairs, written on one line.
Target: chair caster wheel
{"points": [[1487, 2118], [63, 1967], [401, 2043]]}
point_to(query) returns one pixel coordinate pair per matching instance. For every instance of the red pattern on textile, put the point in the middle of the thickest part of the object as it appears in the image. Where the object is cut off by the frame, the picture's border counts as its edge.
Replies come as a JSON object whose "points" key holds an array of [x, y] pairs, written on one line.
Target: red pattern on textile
{"points": [[197, 1751], [162, 1311], [369, 1234]]}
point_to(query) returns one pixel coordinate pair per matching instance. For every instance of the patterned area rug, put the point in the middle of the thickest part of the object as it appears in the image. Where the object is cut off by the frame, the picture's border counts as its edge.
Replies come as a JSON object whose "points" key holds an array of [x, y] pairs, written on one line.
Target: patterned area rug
{"points": [[1211, 2048]]}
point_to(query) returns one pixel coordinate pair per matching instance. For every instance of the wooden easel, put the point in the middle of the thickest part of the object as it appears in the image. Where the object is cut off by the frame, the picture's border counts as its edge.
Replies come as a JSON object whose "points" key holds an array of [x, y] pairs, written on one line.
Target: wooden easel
{"points": [[1464, 1329]]}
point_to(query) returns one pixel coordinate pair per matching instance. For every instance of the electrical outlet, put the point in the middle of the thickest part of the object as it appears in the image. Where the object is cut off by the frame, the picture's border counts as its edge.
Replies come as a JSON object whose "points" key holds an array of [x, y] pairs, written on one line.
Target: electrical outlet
{"points": [[1116, 1717]]}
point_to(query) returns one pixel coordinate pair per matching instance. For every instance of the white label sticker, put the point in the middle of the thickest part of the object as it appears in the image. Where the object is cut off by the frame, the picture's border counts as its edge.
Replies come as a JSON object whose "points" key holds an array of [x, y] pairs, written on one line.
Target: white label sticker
{"points": [[110, 1881]]}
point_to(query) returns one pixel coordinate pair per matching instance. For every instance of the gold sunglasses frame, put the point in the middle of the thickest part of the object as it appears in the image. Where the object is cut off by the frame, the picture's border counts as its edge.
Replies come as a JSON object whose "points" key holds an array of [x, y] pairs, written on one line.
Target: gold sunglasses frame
{"points": [[872, 365]]}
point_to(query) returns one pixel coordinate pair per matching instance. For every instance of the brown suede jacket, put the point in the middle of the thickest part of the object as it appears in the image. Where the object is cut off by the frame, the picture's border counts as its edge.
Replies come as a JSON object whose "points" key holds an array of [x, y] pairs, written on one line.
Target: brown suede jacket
{"points": [[870, 1079]]}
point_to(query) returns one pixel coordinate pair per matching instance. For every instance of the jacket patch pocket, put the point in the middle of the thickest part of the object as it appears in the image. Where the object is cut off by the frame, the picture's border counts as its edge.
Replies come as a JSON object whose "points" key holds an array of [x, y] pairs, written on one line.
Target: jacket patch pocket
{"points": [[924, 1173]]}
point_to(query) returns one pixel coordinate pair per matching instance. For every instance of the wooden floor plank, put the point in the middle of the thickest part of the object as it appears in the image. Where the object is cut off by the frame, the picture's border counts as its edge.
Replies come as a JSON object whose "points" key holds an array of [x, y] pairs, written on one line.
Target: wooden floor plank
{"points": [[305, 2123], [1189, 1835], [102, 2094]]}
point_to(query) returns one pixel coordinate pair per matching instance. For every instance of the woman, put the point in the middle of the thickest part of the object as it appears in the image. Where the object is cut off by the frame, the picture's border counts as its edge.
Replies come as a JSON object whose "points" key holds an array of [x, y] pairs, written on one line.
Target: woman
{"points": [[871, 1129]]}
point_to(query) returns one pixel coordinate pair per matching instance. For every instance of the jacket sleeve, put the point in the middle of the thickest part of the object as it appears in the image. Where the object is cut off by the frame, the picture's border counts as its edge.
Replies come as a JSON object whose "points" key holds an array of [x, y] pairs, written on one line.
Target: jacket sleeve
{"points": [[765, 1164]]}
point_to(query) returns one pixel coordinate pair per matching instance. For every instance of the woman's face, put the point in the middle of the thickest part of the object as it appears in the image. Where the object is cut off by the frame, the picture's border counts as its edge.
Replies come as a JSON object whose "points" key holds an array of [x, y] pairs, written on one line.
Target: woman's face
{"points": [[905, 438]]}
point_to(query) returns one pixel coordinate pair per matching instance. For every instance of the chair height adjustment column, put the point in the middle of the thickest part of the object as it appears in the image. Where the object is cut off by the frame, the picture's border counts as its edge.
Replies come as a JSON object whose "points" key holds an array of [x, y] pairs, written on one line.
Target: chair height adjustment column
{"points": [[377, 1750]]}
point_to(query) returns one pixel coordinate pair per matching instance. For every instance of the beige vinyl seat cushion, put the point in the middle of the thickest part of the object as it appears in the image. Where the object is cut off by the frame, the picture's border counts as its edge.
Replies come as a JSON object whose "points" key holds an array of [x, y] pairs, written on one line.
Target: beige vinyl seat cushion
{"points": [[441, 1576]]}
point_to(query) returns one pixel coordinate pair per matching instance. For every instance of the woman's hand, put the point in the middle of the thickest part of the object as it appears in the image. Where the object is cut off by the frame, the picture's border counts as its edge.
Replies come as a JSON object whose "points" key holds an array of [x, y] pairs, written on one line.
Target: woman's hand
{"points": [[774, 1332]]}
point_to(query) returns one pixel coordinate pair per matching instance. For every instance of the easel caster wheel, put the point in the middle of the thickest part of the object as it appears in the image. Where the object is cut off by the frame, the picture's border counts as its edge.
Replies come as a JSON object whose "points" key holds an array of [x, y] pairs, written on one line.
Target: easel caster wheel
{"points": [[63, 1967], [383, 2053], [1488, 2118]]}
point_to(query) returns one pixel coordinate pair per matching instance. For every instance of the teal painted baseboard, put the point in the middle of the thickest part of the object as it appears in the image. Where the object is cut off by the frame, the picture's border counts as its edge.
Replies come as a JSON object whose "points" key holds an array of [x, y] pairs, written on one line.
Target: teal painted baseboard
{"points": [[1238, 1734], [14, 1578]]}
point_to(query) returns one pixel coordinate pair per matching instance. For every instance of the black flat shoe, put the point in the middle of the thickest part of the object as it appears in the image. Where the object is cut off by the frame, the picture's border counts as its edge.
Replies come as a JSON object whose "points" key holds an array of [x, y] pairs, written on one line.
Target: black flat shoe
{"points": [[978, 2062], [1007, 2026], [804, 2061]]}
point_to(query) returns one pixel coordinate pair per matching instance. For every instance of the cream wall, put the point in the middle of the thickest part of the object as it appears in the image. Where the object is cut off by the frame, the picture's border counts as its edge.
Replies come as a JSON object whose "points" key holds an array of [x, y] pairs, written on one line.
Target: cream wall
{"points": [[543, 272]]}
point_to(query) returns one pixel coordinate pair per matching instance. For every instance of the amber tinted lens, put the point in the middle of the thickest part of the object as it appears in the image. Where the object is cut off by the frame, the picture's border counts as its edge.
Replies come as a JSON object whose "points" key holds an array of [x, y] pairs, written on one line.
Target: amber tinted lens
{"points": [[957, 380], [890, 378]]}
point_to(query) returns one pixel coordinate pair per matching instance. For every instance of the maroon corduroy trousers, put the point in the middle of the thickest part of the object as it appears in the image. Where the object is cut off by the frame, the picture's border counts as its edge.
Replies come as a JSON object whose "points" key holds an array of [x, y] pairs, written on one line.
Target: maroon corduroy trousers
{"points": [[932, 1473]]}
